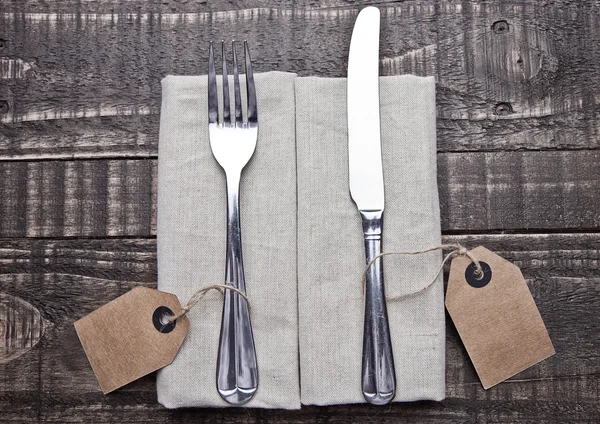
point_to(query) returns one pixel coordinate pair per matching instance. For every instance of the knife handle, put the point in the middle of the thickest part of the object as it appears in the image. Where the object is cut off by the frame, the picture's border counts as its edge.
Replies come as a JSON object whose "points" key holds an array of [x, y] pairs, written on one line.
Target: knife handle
{"points": [[378, 372]]}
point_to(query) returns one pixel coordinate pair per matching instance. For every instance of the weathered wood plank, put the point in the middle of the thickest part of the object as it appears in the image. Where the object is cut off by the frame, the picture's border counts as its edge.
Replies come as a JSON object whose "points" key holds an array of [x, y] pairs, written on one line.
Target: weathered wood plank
{"points": [[100, 72], [66, 279], [106, 137], [156, 6], [515, 190], [478, 192], [78, 198]]}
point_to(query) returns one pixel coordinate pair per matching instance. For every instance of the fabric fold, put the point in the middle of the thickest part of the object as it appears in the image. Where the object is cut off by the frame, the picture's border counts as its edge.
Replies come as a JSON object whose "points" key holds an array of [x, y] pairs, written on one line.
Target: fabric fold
{"points": [[191, 238], [302, 241], [331, 258]]}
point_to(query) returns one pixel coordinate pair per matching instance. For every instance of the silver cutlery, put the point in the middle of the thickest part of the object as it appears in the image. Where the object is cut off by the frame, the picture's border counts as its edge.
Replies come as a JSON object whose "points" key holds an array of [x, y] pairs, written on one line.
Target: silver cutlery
{"points": [[233, 142], [366, 189]]}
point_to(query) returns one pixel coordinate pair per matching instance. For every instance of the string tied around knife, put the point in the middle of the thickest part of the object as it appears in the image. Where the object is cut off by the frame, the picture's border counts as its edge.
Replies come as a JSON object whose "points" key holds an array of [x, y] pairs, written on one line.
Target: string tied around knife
{"points": [[200, 293], [456, 250]]}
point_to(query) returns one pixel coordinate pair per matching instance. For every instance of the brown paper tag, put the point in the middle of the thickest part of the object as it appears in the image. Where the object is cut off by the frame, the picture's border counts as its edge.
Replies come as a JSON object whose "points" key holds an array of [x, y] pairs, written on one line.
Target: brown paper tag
{"points": [[126, 339], [496, 317]]}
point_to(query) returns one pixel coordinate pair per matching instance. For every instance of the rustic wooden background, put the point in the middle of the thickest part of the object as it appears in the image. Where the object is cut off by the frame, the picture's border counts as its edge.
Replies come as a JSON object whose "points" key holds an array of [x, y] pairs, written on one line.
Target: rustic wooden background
{"points": [[519, 153]]}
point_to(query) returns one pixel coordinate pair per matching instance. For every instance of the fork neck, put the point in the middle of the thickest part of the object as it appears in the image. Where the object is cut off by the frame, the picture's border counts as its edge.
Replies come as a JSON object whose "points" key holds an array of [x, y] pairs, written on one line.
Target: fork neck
{"points": [[233, 194], [233, 184], [234, 235]]}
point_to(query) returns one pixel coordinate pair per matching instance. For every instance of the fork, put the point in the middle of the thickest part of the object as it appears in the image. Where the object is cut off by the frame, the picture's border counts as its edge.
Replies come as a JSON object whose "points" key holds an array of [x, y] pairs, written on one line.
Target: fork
{"points": [[233, 142]]}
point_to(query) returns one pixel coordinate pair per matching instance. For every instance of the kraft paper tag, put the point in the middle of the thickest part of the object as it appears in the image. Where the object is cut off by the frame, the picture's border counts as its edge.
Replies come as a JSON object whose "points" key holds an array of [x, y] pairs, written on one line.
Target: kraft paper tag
{"points": [[127, 338], [496, 317]]}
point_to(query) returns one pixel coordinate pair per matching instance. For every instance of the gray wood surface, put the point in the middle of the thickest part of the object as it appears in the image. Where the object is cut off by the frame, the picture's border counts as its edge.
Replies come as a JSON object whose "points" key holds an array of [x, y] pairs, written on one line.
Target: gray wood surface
{"points": [[518, 89], [66, 279]]}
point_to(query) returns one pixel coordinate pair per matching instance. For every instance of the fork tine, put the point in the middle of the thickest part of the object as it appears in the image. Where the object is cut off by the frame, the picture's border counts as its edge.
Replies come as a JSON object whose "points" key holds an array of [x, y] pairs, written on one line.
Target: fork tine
{"points": [[213, 102], [226, 101], [252, 111], [236, 88]]}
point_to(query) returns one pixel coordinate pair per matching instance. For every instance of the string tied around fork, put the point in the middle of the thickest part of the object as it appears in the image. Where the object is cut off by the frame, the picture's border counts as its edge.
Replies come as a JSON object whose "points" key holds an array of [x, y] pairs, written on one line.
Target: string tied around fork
{"points": [[200, 293]]}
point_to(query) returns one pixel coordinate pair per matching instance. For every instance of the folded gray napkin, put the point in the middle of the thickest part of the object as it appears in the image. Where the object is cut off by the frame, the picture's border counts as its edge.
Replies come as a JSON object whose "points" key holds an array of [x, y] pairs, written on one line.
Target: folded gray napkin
{"points": [[302, 239], [191, 240], [330, 242]]}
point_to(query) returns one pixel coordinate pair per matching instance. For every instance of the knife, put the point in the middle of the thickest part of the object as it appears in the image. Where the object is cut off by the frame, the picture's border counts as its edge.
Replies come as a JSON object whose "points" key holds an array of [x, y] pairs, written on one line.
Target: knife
{"points": [[366, 189]]}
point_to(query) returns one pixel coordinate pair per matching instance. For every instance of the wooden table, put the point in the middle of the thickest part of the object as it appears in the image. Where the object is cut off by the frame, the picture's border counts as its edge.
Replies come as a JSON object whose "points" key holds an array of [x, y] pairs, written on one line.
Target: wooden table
{"points": [[518, 161]]}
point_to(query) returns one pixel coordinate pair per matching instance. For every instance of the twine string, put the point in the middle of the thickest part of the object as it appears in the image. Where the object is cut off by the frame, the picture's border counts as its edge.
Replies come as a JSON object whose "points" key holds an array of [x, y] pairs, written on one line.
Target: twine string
{"points": [[200, 293], [457, 250]]}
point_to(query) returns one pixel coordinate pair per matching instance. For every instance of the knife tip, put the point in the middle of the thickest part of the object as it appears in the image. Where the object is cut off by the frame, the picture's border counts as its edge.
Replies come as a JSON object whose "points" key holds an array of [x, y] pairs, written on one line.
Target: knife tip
{"points": [[370, 10]]}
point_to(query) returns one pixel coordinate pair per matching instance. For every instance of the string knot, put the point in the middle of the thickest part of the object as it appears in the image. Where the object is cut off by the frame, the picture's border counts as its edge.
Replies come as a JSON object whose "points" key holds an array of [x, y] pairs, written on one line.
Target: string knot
{"points": [[462, 251]]}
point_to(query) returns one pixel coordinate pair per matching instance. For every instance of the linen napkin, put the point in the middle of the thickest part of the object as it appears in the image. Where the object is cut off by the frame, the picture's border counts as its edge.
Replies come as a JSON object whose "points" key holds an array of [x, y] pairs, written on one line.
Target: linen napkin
{"points": [[191, 240], [331, 257]]}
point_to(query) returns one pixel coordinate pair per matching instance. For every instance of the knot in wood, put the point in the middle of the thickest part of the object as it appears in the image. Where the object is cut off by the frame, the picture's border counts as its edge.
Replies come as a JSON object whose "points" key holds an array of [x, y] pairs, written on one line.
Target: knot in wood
{"points": [[503, 109], [500, 27], [504, 58], [21, 327]]}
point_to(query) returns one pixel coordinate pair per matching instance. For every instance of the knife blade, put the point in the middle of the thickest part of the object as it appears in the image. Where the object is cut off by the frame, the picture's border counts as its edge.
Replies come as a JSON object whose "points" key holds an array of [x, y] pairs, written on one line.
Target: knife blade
{"points": [[364, 147], [367, 190]]}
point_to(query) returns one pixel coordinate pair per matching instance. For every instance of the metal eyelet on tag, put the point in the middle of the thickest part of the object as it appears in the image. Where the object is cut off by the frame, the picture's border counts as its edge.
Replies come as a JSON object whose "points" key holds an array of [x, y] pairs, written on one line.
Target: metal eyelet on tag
{"points": [[483, 280], [158, 319]]}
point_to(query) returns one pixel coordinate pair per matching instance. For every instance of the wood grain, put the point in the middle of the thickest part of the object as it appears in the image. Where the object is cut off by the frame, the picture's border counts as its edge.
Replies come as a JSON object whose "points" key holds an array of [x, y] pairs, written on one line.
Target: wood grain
{"points": [[21, 327], [549, 190], [88, 84], [78, 198], [518, 93], [66, 279]]}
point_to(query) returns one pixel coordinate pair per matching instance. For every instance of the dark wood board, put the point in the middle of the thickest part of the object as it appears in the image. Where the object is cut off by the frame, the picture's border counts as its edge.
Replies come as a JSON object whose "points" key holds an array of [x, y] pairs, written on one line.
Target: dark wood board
{"points": [[478, 192], [518, 89], [66, 279], [85, 81]]}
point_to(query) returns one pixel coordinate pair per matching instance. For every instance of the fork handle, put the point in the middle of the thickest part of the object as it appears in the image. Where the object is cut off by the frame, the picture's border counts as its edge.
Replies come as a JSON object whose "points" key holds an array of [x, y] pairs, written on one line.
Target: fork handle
{"points": [[237, 371], [378, 373]]}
